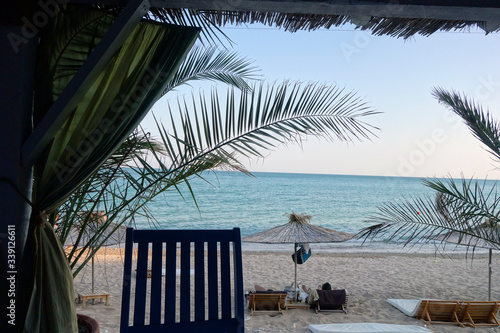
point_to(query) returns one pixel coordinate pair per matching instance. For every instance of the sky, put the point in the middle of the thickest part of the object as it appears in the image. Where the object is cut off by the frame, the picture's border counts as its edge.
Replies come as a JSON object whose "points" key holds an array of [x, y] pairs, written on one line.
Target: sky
{"points": [[418, 136]]}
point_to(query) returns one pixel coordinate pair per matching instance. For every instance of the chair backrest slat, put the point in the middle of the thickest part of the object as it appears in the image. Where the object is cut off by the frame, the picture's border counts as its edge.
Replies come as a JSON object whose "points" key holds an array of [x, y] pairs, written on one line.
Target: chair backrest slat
{"points": [[238, 276], [213, 289], [140, 289], [127, 278], [170, 282], [156, 277], [199, 281], [185, 296], [201, 267], [225, 270]]}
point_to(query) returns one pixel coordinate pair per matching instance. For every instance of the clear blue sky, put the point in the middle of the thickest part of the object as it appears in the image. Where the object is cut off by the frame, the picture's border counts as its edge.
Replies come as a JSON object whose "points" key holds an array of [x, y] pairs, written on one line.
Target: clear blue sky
{"points": [[418, 137]]}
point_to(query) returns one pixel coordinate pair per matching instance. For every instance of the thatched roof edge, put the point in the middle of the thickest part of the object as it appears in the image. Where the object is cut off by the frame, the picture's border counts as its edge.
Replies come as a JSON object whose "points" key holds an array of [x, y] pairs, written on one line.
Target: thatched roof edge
{"points": [[394, 27]]}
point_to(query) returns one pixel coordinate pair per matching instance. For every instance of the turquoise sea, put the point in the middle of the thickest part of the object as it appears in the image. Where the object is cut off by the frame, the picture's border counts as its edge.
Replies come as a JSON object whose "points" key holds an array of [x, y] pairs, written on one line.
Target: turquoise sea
{"points": [[231, 199]]}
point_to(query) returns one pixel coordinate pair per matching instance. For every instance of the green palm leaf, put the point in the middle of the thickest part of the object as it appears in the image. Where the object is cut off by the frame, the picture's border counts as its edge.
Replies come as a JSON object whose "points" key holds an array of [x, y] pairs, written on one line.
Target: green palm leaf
{"points": [[458, 207], [215, 65], [481, 124], [210, 136], [466, 207], [262, 119]]}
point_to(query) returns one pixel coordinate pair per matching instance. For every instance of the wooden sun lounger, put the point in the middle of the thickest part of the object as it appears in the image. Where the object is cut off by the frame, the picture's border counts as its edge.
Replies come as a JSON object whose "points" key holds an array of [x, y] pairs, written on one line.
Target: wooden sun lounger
{"points": [[480, 313], [267, 302], [452, 312], [326, 304], [442, 312]]}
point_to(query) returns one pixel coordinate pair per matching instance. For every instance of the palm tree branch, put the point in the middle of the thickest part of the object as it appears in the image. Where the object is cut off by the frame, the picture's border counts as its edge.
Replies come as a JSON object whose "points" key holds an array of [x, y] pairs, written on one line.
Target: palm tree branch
{"points": [[481, 124], [466, 207], [215, 65], [195, 152]]}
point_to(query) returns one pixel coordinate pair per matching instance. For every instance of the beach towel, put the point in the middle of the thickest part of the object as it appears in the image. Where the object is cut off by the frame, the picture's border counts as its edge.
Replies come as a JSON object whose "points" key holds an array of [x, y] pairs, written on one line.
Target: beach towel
{"points": [[367, 328]]}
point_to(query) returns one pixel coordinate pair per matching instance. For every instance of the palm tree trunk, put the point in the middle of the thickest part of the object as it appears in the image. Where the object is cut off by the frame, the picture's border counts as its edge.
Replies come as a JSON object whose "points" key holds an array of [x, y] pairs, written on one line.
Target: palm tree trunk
{"points": [[296, 287]]}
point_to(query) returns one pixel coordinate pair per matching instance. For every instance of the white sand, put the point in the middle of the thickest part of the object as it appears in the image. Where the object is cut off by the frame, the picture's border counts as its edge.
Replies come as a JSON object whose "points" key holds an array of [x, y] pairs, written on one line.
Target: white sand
{"points": [[370, 279]]}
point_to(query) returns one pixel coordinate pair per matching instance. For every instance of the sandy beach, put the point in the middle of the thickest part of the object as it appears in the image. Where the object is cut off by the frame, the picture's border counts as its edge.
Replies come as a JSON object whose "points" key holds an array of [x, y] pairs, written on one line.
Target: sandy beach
{"points": [[370, 278]]}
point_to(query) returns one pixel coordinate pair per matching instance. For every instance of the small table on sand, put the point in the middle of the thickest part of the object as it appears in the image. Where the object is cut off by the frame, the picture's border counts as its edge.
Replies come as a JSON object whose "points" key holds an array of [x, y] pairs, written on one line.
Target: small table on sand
{"points": [[304, 306], [88, 294]]}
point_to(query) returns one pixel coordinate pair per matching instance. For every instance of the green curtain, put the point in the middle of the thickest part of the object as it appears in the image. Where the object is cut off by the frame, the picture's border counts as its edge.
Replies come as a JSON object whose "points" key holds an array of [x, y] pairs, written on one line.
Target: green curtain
{"points": [[110, 108]]}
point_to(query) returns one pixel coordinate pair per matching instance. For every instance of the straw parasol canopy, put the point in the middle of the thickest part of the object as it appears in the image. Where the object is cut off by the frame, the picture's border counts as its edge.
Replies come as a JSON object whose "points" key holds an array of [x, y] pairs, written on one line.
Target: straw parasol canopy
{"points": [[298, 230]]}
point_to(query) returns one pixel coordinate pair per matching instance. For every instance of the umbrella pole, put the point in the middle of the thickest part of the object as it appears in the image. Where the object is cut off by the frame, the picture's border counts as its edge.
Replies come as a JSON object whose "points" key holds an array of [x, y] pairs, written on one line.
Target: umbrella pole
{"points": [[295, 259], [489, 275], [92, 275]]}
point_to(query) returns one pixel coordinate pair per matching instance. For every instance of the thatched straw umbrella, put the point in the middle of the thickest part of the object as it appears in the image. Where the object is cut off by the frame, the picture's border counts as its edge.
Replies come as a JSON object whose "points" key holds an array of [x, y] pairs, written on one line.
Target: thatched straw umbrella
{"points": [[298, 231]]}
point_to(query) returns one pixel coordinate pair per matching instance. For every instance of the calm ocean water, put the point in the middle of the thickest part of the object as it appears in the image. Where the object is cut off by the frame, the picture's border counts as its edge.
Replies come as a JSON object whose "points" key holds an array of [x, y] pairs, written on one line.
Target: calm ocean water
{"points": [[232, 199]]}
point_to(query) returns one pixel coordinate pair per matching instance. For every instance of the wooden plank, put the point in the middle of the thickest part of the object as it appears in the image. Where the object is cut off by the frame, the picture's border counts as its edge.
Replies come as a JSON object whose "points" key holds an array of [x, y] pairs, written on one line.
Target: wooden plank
{"points": [[179, 235], [213, 290], [127, 279], [141, 281], [185, 278], [267, 302], [156, 277], [225, 280], [210, 277], [199, 281], [442, 312], [170, 282], [238, 280], [480, 313]]}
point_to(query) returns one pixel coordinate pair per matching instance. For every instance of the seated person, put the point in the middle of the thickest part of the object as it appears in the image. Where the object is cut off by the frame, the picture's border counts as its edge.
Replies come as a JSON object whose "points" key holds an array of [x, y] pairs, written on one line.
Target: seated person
{"points": [[326, 286], [313, 294]]}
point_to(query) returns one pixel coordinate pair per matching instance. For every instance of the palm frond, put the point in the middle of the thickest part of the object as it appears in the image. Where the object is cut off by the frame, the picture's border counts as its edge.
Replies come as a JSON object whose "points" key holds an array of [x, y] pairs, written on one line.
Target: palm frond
{"points": [[215, 65], [465, 212], [211, 136], [481, 124], [459, 209], [139, 143], [406, 221], [265, 118], [469, 200]]}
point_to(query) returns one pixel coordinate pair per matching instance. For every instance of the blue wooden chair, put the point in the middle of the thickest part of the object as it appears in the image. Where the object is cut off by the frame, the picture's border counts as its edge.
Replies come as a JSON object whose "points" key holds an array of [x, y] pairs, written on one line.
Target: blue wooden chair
{"points": [[178, 263]]}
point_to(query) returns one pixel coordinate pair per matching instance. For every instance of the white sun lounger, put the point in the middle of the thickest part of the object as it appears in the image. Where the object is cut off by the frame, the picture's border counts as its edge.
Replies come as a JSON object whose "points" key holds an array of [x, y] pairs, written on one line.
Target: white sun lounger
{"points": [[367, 328], [408, 306]]}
